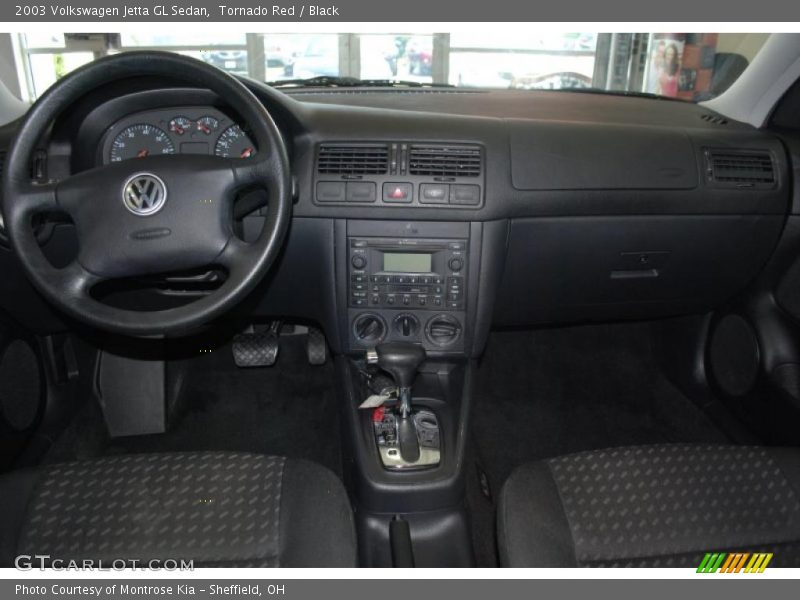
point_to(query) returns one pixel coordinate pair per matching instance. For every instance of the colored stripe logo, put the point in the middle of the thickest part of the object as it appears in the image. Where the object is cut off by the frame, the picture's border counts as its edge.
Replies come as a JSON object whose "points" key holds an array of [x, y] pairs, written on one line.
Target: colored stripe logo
{"points": [[734, 562]]}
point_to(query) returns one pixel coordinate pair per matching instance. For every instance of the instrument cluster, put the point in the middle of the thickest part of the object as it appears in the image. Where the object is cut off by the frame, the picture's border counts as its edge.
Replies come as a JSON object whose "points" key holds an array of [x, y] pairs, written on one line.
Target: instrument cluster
{"points": [[182, 130]]}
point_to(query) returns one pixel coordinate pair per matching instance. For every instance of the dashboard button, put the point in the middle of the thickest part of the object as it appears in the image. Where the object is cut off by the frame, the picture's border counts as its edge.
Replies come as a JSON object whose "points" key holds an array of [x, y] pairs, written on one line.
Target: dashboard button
{"points": [[330, 191], [433, 193], [398, 192], [361, 191], [465, 195]]}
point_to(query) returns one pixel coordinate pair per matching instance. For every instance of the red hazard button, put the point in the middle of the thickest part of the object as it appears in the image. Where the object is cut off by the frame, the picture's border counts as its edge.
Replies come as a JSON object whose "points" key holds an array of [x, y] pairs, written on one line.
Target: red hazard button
{"points": [[397, 192]]}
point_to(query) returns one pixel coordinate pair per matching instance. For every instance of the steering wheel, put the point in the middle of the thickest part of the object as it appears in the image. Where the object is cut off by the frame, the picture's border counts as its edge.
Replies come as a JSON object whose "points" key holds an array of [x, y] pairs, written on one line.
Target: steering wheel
{"points": [[149, 215]]}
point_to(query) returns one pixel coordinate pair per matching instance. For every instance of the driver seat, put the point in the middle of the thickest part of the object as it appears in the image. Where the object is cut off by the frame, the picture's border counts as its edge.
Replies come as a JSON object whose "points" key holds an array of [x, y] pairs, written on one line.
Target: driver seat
{"points": [[218, 509]]}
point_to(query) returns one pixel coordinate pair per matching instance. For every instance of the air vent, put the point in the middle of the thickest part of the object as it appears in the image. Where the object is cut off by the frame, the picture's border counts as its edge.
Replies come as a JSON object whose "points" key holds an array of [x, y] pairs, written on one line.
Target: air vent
{"points": [[740, 168], [352, 160], [444, 161], [714, 119]]}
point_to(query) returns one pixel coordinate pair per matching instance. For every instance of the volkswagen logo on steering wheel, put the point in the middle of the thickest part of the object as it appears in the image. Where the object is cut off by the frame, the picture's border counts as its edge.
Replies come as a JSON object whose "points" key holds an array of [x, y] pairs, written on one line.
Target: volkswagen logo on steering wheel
{"points": [[144, 194]]}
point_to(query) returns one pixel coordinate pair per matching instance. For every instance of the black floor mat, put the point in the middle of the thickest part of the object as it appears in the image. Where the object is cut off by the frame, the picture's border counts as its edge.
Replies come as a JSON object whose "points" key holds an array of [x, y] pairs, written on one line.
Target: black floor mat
{"points": [[550, 392], [288, 409]]}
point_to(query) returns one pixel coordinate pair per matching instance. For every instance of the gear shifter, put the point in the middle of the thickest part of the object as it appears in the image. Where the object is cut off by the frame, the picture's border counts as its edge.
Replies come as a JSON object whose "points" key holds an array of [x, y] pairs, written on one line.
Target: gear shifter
{"points": [[401, 360]]}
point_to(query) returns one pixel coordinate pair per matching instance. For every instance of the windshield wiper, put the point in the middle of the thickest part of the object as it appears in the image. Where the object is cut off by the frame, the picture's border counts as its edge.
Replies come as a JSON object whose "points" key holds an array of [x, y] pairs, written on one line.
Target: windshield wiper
{"points": [[334, 82]]}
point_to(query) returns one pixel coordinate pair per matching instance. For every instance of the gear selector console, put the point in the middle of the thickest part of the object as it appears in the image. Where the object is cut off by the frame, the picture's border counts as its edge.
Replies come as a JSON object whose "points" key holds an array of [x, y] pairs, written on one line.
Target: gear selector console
{"points": [[407, 438], [426, 427]]}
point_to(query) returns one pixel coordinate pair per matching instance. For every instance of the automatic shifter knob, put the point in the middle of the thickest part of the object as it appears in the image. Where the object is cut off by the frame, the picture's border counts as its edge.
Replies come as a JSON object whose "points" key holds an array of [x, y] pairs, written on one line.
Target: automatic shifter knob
{"points": [[400, 359]]}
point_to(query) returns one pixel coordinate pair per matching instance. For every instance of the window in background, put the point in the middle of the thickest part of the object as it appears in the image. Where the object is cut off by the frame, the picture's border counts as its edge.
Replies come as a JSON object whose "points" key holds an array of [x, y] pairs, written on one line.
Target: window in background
{"points": [[531, 61], [300, 56], [397, 56], [693, 66]]}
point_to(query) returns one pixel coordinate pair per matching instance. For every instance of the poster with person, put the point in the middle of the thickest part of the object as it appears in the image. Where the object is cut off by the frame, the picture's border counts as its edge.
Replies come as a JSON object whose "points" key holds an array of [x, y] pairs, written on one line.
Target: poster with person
{"points": [[664, 66]]}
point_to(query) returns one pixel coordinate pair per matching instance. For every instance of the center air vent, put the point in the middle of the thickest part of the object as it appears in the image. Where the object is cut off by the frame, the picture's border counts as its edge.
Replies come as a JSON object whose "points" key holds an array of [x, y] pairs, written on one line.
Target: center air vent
{"points": [[740, 168], [444, 161], [352, 160]]}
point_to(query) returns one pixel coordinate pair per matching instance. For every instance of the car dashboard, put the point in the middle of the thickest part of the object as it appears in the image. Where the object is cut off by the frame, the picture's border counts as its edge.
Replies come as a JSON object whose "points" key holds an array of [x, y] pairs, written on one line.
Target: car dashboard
{"points": [[433, 215]]}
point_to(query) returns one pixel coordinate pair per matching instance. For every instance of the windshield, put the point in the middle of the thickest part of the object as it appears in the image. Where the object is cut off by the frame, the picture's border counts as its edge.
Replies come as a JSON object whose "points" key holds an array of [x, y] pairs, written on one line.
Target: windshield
{"points": [[685, 66]]}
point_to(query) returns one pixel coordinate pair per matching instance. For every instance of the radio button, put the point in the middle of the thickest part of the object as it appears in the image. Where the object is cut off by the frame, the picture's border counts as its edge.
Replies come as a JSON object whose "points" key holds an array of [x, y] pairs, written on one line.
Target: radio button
{"points": [[437, 300], [390, 299], [422, 300], [376, 298], [406, 300]]}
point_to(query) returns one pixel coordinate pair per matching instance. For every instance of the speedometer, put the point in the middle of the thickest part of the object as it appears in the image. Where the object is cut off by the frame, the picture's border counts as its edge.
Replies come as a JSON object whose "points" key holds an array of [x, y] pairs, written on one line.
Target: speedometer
{"points": [[138, 141], [234, 143]]}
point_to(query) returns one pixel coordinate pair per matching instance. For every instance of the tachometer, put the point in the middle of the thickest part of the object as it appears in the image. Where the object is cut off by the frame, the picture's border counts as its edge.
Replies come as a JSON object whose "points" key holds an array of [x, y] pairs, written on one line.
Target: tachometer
{"points": [[138, 141], [234, 143]]}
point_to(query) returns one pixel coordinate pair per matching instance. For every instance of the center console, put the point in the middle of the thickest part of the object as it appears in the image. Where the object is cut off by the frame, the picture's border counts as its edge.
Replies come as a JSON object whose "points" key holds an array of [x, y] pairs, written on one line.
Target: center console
{"points": [[412, 287], [408, 298]]}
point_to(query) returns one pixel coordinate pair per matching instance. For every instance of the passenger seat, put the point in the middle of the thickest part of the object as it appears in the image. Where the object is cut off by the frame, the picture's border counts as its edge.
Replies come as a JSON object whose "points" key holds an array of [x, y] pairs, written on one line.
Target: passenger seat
{"points": [[652, 506]]}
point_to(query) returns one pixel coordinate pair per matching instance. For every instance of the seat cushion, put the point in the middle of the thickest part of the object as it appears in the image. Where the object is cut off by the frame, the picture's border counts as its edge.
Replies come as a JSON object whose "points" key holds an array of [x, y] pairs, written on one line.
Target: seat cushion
{"points": [[215, 508], [657, 506]]}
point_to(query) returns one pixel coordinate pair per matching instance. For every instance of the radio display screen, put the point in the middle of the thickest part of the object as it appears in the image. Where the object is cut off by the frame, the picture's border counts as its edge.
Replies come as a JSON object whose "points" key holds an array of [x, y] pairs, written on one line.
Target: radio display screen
{"points": [[407, 262]]}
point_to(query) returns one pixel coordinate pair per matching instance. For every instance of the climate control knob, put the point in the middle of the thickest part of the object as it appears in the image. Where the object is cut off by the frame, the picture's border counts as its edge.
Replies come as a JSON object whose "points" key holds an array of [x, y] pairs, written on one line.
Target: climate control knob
{"points": [[443, 330], [406, 325], [369, 328]]}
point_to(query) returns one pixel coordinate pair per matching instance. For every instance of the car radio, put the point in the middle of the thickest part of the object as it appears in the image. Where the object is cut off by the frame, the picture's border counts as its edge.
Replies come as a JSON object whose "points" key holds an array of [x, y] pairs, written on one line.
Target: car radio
{"points": [[410, 274]]}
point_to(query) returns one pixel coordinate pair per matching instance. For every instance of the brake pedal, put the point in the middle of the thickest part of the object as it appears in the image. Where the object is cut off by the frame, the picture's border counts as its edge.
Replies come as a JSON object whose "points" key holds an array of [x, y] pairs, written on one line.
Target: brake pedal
{"points": [[257, 349], [316, 347]]}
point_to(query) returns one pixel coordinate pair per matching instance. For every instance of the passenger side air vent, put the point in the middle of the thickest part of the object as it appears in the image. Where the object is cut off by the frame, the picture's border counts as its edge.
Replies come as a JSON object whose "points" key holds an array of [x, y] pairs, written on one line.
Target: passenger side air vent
{"points": [[353, 160], [740, 168], [444, 161], [714, 119]]}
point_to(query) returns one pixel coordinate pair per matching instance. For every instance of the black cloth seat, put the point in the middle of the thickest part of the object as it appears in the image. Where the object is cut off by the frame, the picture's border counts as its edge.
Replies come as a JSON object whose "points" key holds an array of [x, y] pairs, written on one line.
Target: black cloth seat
{"points": [[652, 506], [216, 508]]}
